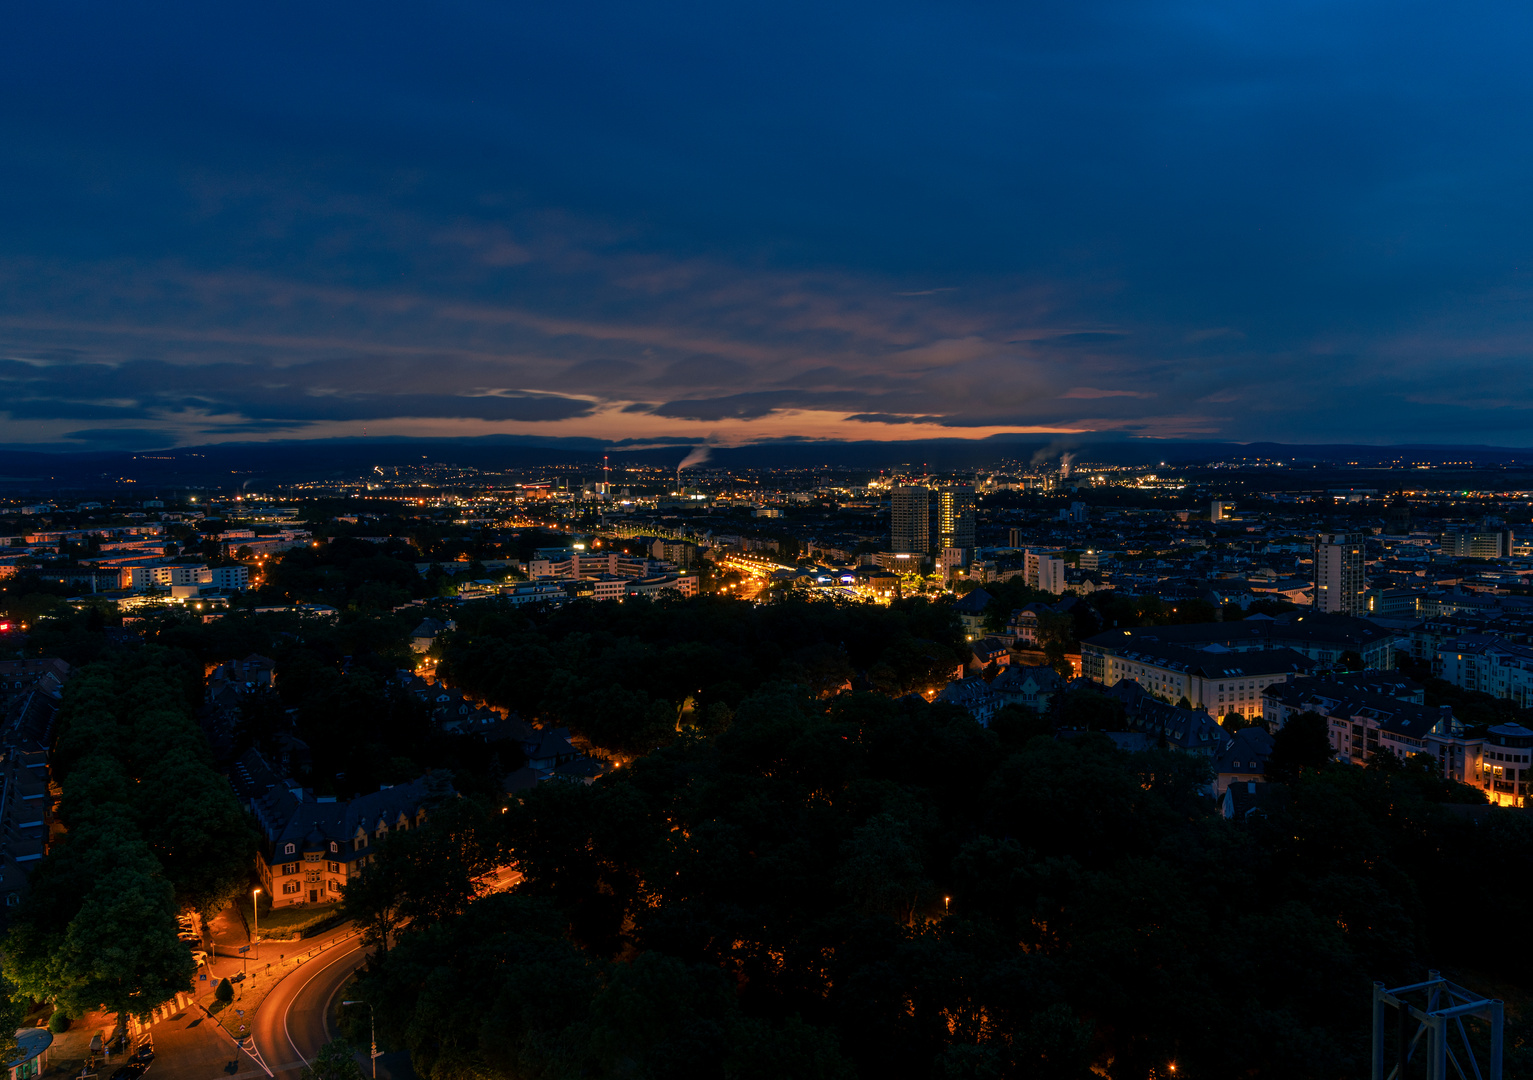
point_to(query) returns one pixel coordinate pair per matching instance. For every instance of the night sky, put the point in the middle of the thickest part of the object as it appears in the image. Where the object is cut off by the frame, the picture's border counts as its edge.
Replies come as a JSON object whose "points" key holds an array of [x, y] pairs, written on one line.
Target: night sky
{"points": [[1303, 222]]}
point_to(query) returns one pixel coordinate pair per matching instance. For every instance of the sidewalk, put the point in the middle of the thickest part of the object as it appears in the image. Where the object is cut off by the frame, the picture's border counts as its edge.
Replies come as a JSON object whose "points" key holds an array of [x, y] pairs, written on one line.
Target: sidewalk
{"points": [[229, 933], [70, 1049], [188, 1046], [269, 963]]}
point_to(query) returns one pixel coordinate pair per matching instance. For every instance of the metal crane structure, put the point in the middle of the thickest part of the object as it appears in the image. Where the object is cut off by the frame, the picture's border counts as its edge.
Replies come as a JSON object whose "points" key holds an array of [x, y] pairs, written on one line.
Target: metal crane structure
{"points": [[1431, 1011]]}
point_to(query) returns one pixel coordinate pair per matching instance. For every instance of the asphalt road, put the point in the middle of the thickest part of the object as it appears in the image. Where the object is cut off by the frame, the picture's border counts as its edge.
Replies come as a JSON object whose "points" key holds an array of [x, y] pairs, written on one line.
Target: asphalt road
{"points": [[294, 1020]]}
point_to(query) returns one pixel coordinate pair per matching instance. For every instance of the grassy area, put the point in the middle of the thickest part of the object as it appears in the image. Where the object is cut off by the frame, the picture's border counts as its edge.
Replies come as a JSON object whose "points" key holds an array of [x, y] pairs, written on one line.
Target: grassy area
{"points": [[288, 922]]}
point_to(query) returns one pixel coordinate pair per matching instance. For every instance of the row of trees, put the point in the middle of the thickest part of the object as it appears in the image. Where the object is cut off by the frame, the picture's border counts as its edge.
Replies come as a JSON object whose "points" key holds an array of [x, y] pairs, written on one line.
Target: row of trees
{"points": [[867, 887], [152, 828]]}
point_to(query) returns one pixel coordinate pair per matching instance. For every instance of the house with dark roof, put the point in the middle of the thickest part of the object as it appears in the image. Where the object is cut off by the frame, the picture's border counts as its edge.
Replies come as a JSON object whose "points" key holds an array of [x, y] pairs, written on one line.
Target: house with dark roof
{"points": [[1213, 678], [1032, 686], [581, 770], [971, 612], [1022, 626], [987, 651], [973, 695], [425, 634], [250, 673], [312, 846], [1321, 637], [1190, 730], [1252, 799], [552, 749], [1244, 760]]}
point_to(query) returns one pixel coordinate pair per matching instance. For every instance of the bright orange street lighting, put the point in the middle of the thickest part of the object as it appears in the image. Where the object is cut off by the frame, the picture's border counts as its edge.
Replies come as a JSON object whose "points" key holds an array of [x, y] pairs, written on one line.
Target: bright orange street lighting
{"points": [[255, 913]]}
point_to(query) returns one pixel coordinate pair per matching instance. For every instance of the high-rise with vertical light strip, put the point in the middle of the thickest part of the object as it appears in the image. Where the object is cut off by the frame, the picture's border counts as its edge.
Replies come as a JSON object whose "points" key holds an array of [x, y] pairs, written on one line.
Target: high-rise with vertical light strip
{"points": [[955, 520]]}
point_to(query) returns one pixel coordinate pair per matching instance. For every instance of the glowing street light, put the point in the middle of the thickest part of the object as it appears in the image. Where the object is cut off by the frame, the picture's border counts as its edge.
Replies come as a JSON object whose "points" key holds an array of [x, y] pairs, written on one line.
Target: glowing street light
{"points": [[255, 912]]}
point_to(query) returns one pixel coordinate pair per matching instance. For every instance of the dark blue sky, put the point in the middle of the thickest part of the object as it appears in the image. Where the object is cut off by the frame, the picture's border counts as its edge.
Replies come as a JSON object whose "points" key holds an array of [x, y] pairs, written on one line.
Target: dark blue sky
{"points": [[1296, 222]]}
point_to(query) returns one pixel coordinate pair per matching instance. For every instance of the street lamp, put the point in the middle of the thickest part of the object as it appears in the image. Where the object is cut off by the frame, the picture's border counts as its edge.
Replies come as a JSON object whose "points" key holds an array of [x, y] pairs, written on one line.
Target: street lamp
{"points": [[372, 1019], [255, 912]]}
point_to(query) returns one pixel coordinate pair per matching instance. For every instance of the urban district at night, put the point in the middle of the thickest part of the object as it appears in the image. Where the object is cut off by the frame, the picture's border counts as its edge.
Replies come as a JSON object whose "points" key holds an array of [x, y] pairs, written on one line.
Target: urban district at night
{"points": [[766, 541]]}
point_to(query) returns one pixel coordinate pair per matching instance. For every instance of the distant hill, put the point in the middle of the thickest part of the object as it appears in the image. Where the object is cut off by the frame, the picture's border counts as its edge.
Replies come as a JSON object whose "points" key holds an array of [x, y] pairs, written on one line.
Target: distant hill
{"points": [[229, 464]]}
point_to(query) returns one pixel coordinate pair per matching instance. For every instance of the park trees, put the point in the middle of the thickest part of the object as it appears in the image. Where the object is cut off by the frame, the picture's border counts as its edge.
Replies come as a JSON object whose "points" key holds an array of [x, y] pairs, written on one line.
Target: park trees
{"points": [[335, 1061], [151, 828], [1303, 743], [424, 875], [871, 887]]}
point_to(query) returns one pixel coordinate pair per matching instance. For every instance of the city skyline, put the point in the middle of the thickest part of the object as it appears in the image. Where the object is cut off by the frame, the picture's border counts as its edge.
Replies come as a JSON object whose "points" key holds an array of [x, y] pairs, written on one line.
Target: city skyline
{"points": [[1299, 225]]}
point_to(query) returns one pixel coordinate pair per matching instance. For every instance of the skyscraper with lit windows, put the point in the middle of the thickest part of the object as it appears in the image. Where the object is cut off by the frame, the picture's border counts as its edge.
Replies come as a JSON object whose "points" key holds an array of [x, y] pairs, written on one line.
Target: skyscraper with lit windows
{"points": [[1339, 584], [955, 519], [910, 520]]}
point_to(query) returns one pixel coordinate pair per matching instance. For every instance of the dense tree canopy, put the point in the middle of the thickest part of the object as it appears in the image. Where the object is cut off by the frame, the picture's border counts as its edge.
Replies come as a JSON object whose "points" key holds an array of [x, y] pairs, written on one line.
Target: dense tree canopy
{"points": [[152, 828], [629, 677], [866, 887]]}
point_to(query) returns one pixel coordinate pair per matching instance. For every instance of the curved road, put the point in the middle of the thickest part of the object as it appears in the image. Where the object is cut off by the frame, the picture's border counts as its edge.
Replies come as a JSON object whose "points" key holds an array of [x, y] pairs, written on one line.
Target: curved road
{"points": [[293, 1022]]}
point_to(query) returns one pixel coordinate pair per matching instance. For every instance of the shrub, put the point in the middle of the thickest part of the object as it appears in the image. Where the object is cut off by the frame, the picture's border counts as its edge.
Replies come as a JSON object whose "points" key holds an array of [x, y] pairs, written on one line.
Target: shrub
{"points": [[225, 991], [58, 1022]]}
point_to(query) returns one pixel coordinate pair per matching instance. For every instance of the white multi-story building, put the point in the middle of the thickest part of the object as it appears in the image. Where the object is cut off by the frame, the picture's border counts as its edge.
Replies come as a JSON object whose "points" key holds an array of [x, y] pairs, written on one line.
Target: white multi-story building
{"points": [[230, 577], [1045, 571], [579, 564], [164, 575], [1214, 679], [1489, 664], [1365, 722]]}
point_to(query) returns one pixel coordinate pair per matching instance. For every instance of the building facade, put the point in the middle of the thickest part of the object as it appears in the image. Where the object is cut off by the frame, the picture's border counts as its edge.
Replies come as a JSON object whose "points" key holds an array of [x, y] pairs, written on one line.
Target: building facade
{"points": [[1045, 571], [955, 520], [1489, 664], [1325, 639], [1477, 543], [1364, 723], [1339, 583], [910, 520], [1213, 679], [313, 846]]}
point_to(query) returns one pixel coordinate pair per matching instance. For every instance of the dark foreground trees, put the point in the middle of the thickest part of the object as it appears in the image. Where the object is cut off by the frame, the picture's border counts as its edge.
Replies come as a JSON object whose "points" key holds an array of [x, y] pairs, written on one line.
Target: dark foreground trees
{"points": [[152, 828], [874, 888]]}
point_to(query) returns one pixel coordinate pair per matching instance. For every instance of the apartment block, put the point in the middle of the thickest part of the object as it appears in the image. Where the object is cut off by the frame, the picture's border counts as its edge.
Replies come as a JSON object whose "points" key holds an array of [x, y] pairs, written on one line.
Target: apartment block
{"points": [[1339, 583]]}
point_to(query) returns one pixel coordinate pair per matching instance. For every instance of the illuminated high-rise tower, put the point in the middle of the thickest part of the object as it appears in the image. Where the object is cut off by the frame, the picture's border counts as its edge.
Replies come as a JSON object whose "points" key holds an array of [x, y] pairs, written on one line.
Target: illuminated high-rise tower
{"points": [[955, 519], [910, 520]]}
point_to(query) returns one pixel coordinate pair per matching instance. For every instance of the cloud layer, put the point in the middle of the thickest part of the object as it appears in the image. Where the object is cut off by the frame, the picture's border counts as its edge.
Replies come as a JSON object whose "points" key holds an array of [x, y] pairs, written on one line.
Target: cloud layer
{"points": [[1301, 222]]}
